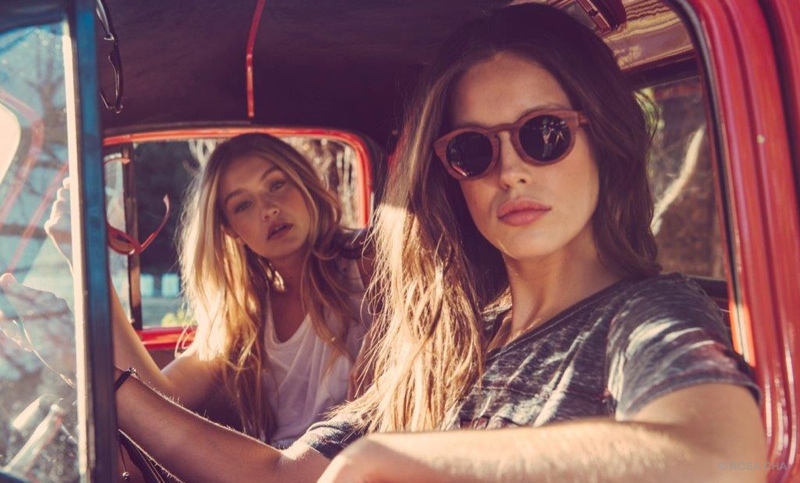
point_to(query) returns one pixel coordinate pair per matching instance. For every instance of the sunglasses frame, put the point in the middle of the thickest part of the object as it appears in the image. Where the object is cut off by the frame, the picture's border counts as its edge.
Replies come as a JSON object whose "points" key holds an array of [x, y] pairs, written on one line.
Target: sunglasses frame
{"points": [[573, 119], [114, 58], [134, 247]]}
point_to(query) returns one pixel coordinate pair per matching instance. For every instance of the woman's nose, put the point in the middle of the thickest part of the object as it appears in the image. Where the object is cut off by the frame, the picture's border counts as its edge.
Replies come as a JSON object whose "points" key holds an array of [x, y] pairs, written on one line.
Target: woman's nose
{"points": [[512, 168], [269, 209]]}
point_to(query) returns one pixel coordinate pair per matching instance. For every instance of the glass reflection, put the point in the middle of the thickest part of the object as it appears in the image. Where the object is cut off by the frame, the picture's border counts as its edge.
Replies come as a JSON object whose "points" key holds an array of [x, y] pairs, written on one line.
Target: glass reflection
{"points": [[38, 418]]}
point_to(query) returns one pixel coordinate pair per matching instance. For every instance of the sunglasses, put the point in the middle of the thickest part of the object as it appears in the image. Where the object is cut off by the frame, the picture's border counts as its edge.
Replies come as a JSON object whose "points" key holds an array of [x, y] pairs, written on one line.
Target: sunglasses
{"points": [[539, 137], [124, 244]]}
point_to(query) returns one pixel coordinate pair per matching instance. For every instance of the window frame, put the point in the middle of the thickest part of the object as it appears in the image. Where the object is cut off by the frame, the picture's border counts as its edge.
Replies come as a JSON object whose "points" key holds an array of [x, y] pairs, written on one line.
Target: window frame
{"points": [[157, 338], [754, 176]]}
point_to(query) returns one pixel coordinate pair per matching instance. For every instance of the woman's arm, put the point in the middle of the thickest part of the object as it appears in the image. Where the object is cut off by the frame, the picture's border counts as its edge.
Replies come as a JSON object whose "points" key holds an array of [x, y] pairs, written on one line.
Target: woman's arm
{"points": [[197, 450], [188, 380], [46, 317], [701, 433]]}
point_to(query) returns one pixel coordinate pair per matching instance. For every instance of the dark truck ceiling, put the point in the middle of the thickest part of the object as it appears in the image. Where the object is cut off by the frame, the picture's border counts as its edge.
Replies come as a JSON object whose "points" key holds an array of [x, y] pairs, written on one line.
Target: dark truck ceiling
{"points": [[339, 63]]}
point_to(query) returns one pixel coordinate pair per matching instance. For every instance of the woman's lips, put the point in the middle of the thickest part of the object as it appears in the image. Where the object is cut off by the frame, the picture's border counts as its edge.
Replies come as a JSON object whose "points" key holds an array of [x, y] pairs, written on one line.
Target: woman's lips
{"points": [[521, 212], [279, 231]]}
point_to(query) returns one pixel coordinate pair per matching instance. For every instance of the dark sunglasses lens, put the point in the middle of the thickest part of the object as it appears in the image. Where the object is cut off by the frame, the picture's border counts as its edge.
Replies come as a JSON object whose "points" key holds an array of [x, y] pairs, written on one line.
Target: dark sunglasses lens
{"points": [[469, 153], [545, 138]]}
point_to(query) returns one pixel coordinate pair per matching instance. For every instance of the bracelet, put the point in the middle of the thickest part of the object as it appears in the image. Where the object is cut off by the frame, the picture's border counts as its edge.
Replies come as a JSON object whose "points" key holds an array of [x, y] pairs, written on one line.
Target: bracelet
{"points": [[124, 377]]}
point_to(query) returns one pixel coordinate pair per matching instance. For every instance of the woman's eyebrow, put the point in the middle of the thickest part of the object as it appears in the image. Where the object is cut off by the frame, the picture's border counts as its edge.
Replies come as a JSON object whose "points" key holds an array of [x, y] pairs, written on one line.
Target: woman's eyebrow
{"points": [[238, 191], [549, 106]]}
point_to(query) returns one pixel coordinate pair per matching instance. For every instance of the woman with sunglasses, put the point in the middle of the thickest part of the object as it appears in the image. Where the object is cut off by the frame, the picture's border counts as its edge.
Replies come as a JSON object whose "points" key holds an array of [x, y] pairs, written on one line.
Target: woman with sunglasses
{"points": [[520, 291]]}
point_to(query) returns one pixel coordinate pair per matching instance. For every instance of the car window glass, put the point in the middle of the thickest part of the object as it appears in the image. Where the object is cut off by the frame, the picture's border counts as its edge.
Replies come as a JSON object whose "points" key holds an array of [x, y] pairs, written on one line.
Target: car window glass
{"points": [[686, 222], [37, 341], [115, 215]]}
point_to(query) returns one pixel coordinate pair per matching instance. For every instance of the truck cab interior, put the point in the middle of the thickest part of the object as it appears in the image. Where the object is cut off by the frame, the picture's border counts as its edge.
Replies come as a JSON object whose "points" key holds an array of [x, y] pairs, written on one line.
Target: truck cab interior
{"points": [[159, 84]]}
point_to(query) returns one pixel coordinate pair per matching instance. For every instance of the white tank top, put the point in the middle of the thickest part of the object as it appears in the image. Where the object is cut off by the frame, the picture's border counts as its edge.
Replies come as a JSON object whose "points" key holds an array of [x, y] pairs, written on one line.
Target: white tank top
{"points": [[301, 384]]}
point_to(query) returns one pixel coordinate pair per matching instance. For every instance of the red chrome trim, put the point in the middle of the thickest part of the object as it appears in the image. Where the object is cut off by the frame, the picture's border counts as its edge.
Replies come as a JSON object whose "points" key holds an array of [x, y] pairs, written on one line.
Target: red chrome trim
{"points": [[163, 338], [363, 161], [763, 206], [248, 59], [784, 19]]}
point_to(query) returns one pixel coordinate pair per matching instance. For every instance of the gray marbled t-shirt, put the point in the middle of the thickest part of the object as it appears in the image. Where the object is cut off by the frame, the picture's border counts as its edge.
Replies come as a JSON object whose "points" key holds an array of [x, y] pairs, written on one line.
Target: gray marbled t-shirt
{"points": [[606, 356]]}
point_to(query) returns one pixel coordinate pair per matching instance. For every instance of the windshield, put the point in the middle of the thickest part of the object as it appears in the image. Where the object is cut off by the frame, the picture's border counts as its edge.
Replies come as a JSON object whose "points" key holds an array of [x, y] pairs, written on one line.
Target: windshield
{"points": [[37, 343]]}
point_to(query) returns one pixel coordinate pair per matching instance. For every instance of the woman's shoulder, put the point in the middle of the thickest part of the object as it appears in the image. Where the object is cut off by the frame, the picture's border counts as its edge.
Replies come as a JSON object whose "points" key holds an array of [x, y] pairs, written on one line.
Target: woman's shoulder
{"points": [[672, 298], [354, 248], [665, 285], [351, 243]]}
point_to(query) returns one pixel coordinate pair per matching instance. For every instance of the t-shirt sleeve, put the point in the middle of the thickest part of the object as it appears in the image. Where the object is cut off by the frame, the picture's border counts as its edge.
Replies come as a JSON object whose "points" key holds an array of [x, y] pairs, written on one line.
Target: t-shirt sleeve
{"points": [[668, 335], [330, 437]]}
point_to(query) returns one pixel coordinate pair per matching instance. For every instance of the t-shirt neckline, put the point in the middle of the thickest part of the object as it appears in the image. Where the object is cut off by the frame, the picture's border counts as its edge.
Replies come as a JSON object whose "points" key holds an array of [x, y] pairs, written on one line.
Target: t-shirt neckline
{"points": [[557, 319]]}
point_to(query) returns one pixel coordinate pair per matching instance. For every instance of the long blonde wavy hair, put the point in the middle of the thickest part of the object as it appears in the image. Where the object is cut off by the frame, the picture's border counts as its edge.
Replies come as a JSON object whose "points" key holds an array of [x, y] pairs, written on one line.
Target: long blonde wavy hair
{"points": [[436, 276], [226, 283]]}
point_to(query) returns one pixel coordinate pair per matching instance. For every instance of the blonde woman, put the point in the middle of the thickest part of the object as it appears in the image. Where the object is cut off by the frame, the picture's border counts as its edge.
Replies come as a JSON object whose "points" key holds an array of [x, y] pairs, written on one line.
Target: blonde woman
{"points": [[275, 286], [520, 293]]}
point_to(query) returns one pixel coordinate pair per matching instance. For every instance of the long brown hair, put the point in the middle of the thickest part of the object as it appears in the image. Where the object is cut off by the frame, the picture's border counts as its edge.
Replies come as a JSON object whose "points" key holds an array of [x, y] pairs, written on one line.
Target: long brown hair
{"points": [[225, 283], [436, 274]]}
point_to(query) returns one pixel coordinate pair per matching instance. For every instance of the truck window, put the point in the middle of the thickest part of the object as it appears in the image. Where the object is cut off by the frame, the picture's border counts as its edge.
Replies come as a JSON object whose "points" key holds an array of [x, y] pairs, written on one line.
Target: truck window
{"points": [[686, 220], [166, 167], [37, 341]]}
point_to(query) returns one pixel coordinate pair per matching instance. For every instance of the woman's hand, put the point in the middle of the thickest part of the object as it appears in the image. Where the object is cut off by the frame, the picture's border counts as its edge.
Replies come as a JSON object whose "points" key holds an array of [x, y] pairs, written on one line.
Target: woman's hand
{"points": [[59, 227], [43, 324], [379, 458], [354, 464]]}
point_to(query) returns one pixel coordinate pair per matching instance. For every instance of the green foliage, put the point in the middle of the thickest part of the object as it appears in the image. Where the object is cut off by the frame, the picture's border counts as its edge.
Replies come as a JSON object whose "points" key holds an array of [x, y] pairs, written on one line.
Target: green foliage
{"points": [[176, 319]]}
